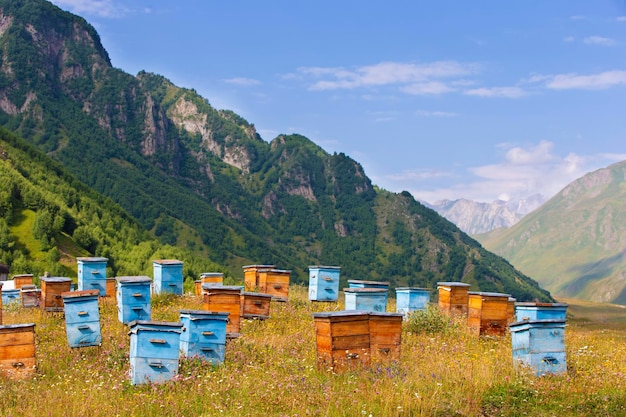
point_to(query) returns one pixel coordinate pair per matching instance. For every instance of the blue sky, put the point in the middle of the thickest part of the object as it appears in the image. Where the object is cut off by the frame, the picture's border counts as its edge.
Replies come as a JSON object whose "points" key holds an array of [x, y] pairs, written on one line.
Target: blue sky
{"points": [[449, 99]]}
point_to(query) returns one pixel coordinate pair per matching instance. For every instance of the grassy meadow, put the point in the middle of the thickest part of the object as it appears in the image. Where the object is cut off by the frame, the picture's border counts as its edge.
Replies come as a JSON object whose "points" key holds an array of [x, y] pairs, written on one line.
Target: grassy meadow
{"points": [[271, 370]]}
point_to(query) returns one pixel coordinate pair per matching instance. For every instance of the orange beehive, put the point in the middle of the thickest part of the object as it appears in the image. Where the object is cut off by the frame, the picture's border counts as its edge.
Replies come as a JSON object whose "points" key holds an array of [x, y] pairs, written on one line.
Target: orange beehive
{"points": [[251, 276], [51, 289], [17, 350], [385, 335], [209, 278], [111, 288], [22, 279], [453, 297], [487, 315], [274, 282], [510, 310], [255, 305], [225, 299], [342, 339]]}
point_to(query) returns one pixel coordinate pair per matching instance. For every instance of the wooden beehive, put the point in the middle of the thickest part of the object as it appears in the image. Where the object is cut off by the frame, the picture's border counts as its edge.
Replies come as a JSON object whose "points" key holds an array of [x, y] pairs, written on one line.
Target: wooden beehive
{"points": [[17, 350], [510, 311], [51, 290], [540, 345], [209, 278], [342, 340], [275, 282], [487, 313], [255, 305], [22, 279], [453, 297], [385, 335], [226, 299], [31, 296], [111, 286], [251, 276], [1, 284]]}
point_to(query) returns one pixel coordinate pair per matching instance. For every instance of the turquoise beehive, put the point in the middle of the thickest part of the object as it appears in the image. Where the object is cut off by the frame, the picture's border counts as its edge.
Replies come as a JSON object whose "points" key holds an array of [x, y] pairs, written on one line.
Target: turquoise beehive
{"points": [[154, 351], [540, 345], [324, 283], [82, 318], [366, 299], [540, 311], [92, 274], [133, 298], [409, 299], [168, 276], [204, 335]]}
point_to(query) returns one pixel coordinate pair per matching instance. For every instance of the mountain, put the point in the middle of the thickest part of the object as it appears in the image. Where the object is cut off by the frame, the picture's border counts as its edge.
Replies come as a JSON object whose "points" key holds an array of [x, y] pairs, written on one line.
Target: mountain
{"points": [[203, 179], [574, 244], [475, 217]]}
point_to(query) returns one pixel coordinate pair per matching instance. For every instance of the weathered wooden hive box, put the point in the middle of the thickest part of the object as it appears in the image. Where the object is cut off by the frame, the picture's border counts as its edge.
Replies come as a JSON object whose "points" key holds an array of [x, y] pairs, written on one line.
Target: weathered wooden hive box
{"points": [[225, 299], [154, 351], [168, 276], [487, 313], [540, 311], [22, 279], [111, 288], [539, 344], [510, 310], [255, 305], [204, 335], [366, 299], [17, 350], [9, 296], [385, 335], [51, 290], [251, 276], [82, 318], [209, 278], [31, 296], [133, 298], [409, 299], [453, 297], [342, 340], [92, 274], [324, 283], [275, 282]]}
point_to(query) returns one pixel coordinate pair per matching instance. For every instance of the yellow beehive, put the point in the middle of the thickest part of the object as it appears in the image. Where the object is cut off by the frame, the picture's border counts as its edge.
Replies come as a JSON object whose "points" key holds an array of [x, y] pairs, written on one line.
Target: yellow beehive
{"points": [[251, 276], [453, 297], [17, 350], [488, 313]]}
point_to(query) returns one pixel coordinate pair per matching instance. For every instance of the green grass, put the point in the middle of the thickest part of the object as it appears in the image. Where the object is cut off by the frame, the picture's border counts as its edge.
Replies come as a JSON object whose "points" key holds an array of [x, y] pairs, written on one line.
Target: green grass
{"points": [[272, 370]]}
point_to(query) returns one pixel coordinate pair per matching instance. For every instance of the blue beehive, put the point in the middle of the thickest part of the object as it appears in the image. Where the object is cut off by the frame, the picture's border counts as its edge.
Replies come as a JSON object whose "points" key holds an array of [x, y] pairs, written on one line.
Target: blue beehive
{"points": [[168, 276], [410, 299], [154, 351], [540, 311], [82, 318], [133, 298], [366, 299], [11, 295], [540, 345], [92, 274], [204, 335], [356, 283], [324, 283]]}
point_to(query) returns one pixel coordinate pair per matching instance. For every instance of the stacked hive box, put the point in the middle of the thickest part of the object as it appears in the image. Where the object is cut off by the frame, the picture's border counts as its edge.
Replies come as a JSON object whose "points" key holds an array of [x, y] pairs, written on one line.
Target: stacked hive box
{"points": [[133, 298], [453, 297], [209, 278], [168, 276], [51, 290], [92, 274], [487, 315], [324, 283], [154, 351], [82, 318], [255, 305], [409, 299], [204, 335], [226, 299], [17, 350]]}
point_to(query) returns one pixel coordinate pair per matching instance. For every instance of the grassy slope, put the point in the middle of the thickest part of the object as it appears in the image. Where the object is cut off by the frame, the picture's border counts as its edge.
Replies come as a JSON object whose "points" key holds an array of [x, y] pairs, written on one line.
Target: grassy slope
{"points": [[271, 370]]}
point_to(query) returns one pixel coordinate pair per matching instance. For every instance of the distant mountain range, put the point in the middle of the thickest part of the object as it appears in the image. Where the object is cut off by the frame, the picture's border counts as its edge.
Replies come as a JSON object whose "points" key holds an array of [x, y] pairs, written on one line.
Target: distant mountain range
{"points": [[475, 217], [575, 243]]}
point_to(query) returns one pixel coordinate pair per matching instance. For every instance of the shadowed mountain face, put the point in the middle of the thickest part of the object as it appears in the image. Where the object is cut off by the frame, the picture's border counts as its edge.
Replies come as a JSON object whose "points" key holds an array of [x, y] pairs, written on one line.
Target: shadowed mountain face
{"points": [[574, 244], [202, 178]]}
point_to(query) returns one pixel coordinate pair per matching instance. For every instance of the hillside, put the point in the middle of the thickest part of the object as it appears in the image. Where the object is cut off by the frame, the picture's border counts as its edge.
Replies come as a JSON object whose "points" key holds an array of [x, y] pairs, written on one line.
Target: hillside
{"points": [[574, 245], [203, 179]]}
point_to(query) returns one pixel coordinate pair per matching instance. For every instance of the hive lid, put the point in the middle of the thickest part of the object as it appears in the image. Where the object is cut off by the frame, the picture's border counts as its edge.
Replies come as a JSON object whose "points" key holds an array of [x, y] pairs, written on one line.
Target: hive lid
{"points": [[29, 287], [358, 281], [167, 262], [158, 326], [365, 290], [55, 279], [82, 293], [211, 274], [92, 259], [453, 284], [489, 294], [413, 288], [256, 294], [323, 267], [22, 275], [258, 266], [536, 323], [212, 287], [216, 314], [131, 279], [531, 304], [16, 326], [385, 314], [282, 271], [343, 313]]}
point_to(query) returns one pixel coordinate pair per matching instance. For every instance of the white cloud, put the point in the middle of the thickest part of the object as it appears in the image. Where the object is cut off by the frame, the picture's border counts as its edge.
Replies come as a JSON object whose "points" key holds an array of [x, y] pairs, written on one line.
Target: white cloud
{"points": [[598, 81], [242, 81], [599, 40], [429, 113], [410, 78], [621, 18], [504, 92], [569, 39]]}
